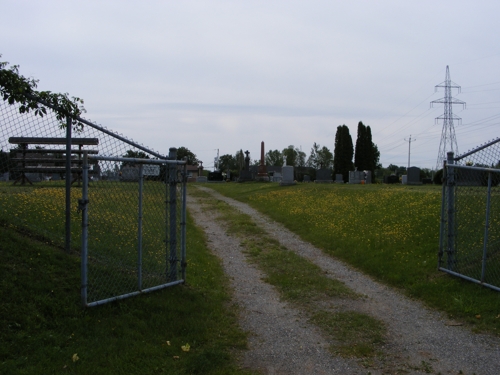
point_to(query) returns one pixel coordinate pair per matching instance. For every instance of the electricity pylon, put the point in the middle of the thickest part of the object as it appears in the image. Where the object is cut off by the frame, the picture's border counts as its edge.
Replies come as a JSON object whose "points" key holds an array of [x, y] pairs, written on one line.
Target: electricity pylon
{"points": [[448, 138]]}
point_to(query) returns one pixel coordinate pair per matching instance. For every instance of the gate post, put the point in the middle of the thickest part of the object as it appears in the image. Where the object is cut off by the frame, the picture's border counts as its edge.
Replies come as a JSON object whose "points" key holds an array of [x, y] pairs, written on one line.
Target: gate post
{"points": [[183, 221], [139, 228], [450, 187], [82, 206], [486, 227], [67, 182], [172, 187]]}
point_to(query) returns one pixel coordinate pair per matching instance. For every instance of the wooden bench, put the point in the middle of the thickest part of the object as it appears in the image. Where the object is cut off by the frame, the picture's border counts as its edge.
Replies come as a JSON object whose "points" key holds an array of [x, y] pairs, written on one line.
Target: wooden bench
{"points": [[42, 160]]}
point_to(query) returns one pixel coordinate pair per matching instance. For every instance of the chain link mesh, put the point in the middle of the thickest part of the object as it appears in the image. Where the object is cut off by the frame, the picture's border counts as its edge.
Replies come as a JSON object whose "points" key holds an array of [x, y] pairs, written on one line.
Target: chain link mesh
{"points": [[36, 204], [470, 229]]}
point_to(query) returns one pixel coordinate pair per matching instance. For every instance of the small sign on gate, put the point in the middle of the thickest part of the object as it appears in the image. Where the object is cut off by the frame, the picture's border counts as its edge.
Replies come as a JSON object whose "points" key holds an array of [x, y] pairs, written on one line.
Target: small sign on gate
{"points": [[151, 170]]}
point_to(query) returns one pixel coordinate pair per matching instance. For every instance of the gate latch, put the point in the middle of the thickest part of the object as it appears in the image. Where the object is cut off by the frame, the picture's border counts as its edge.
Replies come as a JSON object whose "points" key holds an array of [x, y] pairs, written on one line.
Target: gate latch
{"points": [[82, 204]]}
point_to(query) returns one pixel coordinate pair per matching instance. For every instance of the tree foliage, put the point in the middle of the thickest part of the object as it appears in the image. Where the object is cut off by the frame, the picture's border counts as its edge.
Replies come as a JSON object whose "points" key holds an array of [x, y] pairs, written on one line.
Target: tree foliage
{"points": [[240, 159], [320, 157], [294, 156], [366, 155], [343, 152], [134, 155], [15, 88], [227, 162], [274, 158], [183, 152]]}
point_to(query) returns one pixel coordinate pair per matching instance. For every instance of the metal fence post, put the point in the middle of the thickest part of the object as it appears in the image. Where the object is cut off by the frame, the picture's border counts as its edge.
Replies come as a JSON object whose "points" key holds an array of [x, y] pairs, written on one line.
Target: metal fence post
{"points": [[450, 184], [68, 184], [442, 223], [486, 227], [82, 206], [172, 187], [139, 230], [183, 222]]}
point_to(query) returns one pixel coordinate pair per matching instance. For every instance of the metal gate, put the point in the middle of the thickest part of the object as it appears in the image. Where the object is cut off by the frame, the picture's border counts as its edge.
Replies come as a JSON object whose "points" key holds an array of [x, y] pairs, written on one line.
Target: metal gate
{"points": [[133, 227], [469, 245]]}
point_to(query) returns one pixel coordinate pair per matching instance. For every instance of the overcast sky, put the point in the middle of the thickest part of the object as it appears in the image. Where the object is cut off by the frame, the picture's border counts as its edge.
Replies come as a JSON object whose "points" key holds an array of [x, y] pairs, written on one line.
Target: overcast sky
{"points": [[226, 75]]}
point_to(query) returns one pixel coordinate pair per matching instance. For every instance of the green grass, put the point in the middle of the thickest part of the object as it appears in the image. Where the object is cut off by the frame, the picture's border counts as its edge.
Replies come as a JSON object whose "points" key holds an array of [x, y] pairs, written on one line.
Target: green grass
{"points": [[113, 228], [388, 232], [45, 330], [358, 333]]}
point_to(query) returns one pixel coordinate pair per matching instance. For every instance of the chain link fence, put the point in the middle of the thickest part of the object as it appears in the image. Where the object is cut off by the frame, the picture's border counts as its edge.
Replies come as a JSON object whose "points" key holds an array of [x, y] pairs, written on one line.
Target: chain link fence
{"points": [[132, 217], [470, 216]]}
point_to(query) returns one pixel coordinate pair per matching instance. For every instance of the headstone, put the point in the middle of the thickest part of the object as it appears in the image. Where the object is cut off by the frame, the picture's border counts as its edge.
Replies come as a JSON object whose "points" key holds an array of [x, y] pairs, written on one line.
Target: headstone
{"points": [[324, 175], [277, 177], [129, 173], [307, 178], [245, 174], [339, 179], [262, 173], [355, 177], [368, 177], [287, 176], [392, 179], [404, 179], [215, 176], [360, 177], [34, 177], [201, 179], [414, 176]]}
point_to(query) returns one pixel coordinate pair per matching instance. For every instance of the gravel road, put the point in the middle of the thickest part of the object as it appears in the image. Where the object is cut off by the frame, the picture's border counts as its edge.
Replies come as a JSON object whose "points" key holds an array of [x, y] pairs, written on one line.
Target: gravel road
{"points": [[282, 341]]}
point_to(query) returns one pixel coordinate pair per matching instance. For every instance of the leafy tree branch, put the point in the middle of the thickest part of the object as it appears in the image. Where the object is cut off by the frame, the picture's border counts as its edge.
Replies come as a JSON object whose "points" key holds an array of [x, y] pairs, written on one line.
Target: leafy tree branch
{"points": [[15, 88]]}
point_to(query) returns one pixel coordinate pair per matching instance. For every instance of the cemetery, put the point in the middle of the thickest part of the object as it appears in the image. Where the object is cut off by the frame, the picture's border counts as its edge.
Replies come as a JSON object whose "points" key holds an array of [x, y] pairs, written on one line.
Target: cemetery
{"points": [[388, 232]]}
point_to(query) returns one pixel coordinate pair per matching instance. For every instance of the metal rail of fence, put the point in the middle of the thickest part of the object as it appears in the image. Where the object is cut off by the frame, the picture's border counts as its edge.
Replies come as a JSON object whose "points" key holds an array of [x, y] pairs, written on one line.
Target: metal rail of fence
{"points": [[155, 204], [469, 245], [46, 160]]}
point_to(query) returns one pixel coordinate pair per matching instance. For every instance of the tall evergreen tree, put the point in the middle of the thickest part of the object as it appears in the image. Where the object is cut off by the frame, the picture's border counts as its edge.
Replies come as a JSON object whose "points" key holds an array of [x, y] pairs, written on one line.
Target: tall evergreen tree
{"points": [[343, 152], [361, 150], [367, 155]]}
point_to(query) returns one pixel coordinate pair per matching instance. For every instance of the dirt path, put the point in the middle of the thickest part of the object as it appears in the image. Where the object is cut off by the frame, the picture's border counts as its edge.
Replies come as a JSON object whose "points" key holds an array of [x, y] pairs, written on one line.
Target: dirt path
{"points": [[283, 342]]}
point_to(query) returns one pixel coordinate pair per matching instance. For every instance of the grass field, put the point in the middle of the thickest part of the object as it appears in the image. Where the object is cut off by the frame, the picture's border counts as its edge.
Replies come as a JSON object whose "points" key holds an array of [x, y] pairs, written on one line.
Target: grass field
{"points": [[186, 329], [389, 232]]}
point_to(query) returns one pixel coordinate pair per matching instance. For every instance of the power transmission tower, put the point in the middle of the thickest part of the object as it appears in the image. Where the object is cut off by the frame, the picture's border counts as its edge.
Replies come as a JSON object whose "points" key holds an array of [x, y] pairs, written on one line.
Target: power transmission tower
{"points": [[409, 140], [448, 138]]}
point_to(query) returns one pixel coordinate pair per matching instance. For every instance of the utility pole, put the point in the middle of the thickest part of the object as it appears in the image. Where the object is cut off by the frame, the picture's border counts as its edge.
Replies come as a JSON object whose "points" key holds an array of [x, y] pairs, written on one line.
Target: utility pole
{"points": [[216, 161], [448, 138], [409, 147]]}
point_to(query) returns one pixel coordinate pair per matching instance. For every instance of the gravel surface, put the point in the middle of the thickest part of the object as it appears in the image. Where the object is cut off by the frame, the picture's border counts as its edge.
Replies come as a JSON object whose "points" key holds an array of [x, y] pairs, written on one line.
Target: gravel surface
{"points": [[282, 341]]}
